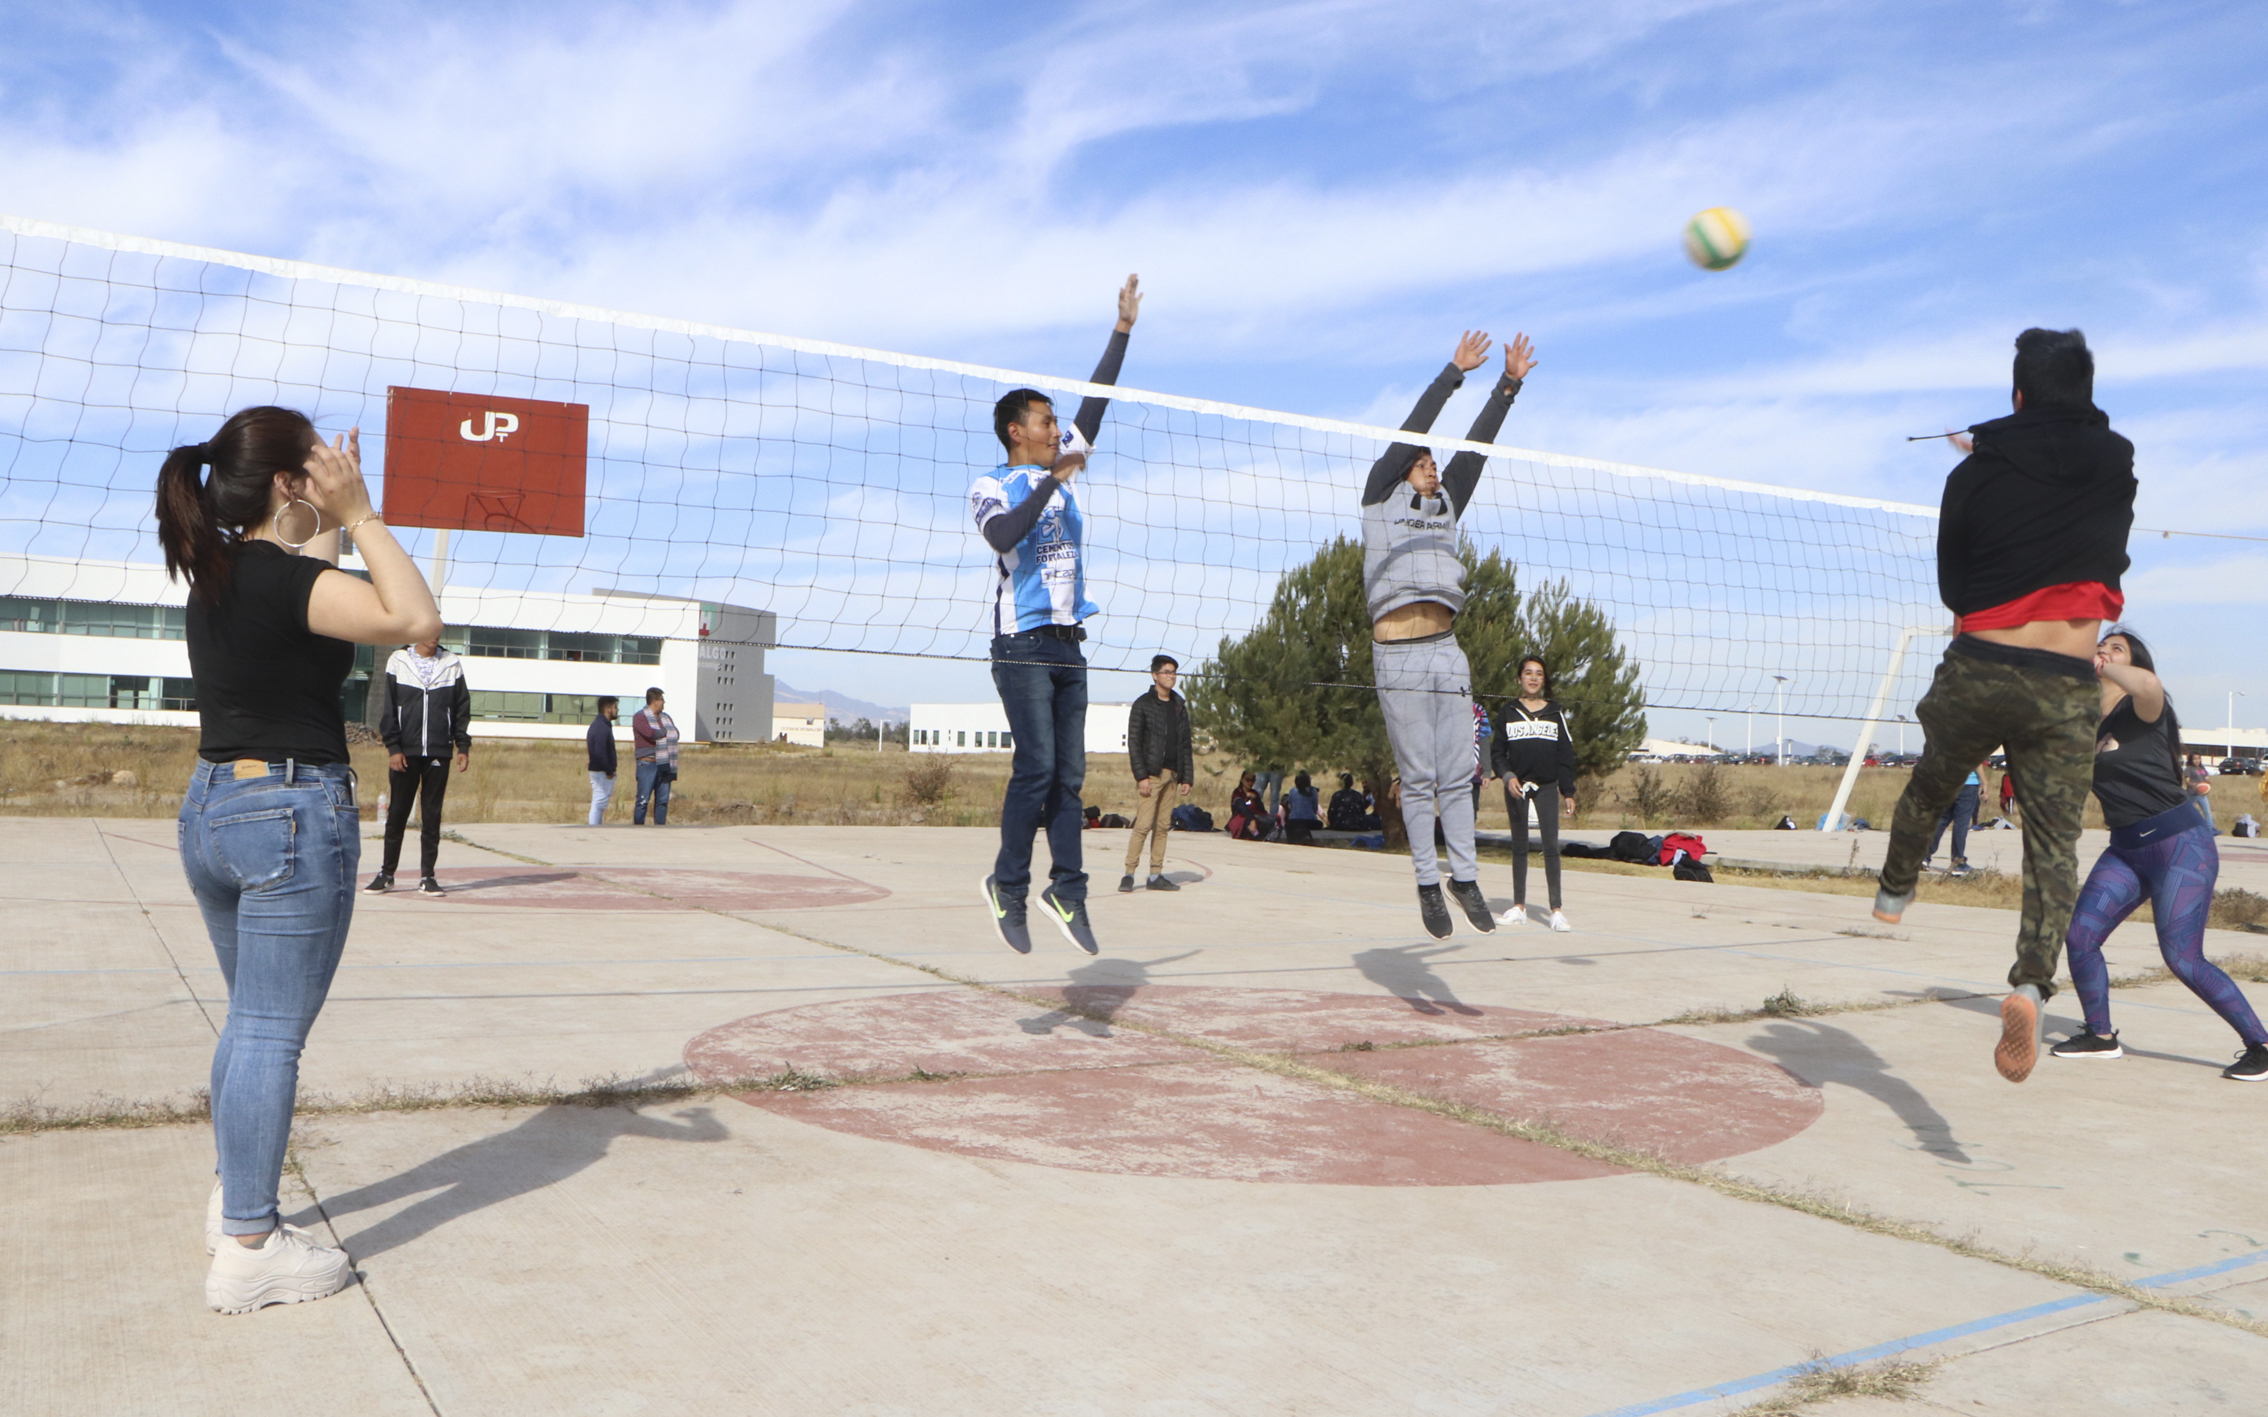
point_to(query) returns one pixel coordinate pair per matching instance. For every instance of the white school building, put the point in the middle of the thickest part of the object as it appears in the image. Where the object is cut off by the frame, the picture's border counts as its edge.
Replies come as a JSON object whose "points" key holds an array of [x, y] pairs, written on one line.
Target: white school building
{"points": [[102, 642], [983, 728]]}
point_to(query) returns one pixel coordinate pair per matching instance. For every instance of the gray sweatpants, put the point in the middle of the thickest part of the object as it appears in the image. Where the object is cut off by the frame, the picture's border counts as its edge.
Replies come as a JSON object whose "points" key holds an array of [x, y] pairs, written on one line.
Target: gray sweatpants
{"points": [[1424, 689]]}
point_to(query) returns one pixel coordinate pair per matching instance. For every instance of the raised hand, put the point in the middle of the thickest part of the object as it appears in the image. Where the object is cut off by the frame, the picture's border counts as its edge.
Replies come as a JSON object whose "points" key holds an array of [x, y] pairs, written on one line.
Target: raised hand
{"points": [[1519, 357], [1471, 350], [1129, 303], [334, 478]]}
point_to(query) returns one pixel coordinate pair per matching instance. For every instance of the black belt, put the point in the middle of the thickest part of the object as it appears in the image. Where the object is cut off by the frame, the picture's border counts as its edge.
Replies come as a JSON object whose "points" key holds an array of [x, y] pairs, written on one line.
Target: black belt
{"points": [[1073, 633]]}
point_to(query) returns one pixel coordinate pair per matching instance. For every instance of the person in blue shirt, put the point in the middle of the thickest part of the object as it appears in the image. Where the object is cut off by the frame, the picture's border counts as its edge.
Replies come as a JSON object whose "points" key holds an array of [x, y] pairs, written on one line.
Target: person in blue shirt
{"points": [[1030, 519], [1960, 816]]}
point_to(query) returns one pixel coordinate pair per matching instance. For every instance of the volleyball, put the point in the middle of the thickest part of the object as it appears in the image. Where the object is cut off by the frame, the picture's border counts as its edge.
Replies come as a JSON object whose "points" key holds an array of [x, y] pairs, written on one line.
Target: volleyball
{"points": [[1716, 238]]}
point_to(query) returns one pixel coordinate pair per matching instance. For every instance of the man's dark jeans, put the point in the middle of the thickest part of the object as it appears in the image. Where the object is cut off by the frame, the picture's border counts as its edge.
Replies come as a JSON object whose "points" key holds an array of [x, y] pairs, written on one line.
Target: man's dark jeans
{"points": [[1961, 816], [1043, 686]]}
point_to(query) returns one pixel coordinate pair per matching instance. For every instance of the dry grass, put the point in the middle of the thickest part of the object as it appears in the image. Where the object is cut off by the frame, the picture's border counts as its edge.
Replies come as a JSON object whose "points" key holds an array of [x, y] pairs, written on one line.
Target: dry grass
{"points": [[1893, 1378]]}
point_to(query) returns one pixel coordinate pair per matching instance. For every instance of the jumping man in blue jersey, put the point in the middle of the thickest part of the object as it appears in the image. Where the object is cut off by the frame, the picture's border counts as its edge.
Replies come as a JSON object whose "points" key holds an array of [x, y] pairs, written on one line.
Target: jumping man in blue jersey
{"points": [[1031, 520]]}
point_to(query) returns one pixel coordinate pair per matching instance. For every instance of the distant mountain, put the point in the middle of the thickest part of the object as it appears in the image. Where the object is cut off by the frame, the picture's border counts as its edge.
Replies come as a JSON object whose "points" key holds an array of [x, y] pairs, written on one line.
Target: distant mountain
{"points": [[839, 706]]}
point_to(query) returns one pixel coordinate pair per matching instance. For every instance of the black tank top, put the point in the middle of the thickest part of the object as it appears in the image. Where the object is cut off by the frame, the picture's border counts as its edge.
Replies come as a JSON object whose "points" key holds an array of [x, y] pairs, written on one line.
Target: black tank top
{"points": [[2136, 773]]}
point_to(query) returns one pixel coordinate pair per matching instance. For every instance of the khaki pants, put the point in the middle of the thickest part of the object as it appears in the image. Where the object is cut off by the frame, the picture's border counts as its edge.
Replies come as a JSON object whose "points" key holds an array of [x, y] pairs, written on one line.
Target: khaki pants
{"points": [[1153, 816]]}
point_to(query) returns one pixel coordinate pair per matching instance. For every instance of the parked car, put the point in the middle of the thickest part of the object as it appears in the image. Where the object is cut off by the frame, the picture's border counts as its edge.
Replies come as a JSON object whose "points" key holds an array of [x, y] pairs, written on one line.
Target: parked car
{"points": [[2240, 767]]}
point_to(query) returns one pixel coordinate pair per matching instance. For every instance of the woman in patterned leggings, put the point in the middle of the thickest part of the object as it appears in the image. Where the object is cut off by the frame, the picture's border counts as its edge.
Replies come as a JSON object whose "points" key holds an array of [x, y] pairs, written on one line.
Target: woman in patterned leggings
{"points": [[2161, 851]]}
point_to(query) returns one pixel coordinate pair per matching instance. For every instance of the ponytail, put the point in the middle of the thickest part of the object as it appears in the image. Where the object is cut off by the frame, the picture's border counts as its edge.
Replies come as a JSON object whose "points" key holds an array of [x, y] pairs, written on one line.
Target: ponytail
{"points": [[201, 520]]}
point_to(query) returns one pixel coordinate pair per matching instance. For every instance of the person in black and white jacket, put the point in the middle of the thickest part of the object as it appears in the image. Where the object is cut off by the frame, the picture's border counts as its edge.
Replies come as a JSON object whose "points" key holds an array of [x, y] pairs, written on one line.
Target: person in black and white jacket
{"points": [[428, 714], [1533, 751]]}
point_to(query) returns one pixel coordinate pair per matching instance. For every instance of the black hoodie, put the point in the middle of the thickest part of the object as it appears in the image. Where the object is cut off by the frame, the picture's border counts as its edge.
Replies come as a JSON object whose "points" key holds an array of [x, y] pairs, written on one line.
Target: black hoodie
{"points": [[2046, 499]]}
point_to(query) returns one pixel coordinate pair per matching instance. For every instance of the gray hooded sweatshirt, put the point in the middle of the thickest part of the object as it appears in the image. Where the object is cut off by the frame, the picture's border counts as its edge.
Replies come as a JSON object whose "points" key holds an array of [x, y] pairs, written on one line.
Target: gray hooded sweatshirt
{"points": [[1409, 541]]}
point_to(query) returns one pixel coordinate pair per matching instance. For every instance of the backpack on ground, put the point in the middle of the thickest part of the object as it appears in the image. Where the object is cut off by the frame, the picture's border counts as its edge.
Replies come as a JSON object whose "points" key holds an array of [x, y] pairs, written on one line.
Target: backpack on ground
{"points": [[1689, 868], [1633, 847], [1189, 817]]}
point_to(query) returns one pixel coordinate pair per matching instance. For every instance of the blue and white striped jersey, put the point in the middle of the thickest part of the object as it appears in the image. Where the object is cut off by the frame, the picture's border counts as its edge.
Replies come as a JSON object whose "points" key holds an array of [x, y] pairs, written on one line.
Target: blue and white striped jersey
{"points": [[1040, 580]]}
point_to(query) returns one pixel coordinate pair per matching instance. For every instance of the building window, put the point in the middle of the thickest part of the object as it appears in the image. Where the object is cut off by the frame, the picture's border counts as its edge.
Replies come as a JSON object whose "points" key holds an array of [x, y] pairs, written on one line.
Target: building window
{"points": [[35, 689], [534, 708], [961, 739], [1007, 740], [497, 642], [28, 615]]}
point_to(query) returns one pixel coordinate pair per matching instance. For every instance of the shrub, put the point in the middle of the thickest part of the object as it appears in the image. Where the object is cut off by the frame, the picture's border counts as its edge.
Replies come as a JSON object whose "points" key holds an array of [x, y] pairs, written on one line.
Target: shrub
{"points": [[929, 781]]}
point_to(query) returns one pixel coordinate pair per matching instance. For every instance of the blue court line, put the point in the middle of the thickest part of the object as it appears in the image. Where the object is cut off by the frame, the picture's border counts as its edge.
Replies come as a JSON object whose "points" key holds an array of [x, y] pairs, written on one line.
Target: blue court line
{"points": [[1925, 1340]]}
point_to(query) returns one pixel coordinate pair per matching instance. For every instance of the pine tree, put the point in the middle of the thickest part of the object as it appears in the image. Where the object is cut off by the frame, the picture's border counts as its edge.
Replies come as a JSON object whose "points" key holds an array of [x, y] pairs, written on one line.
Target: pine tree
{"points": [[1296, 690]]}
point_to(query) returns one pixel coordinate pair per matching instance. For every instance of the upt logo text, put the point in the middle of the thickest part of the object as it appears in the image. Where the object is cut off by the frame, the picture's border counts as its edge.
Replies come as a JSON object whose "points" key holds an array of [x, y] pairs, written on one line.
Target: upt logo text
{"points": [[498, 427]]}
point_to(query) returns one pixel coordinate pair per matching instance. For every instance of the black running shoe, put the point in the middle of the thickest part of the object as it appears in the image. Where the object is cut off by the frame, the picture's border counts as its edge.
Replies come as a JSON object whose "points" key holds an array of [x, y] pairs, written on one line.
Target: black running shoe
{"points": [[1469, 895], [1126, 884], [429, 886], [1159, 883], [379, 884], [1070, 916], [2089, 1045], [1007, 917], [2252, 1067], [1435, 912]]}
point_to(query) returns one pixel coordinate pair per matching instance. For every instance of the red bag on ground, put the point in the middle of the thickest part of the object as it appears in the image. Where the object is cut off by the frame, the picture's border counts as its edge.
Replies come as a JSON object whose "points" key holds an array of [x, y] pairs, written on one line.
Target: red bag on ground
{"points": [[1686, 842]]}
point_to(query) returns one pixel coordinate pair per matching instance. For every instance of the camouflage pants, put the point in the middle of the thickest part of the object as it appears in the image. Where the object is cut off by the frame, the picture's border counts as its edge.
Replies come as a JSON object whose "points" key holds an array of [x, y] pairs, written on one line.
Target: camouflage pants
{"points": [[2042, 708]]}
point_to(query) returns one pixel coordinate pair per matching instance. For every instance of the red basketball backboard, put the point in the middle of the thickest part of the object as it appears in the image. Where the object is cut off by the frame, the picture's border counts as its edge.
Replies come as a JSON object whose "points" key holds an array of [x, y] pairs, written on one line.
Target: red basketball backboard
{"points": [[474, 462]]}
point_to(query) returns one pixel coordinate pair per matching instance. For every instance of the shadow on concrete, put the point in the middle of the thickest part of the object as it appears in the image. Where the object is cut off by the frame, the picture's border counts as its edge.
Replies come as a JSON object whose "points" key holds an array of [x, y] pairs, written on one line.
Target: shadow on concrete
{"points": [[1096, 993], [544, 1149], [1406, 972], [1820, 1053]]}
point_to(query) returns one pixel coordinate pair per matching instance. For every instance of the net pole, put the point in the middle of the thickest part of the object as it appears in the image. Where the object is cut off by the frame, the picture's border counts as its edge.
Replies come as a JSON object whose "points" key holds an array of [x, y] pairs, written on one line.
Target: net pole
{"points": [[1833, 821]]}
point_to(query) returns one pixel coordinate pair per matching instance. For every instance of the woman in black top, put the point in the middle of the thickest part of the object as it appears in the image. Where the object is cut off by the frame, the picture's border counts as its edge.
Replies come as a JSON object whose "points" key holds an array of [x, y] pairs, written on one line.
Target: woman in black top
{"points": [[270, 831], [1532, 750], [2160, 851]]}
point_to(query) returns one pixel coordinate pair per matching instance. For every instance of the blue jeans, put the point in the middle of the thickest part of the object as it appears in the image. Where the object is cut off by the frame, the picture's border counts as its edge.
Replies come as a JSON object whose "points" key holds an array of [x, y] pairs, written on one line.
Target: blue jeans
{"points": [[1270, 785], [1958, 816], [271, 861], [653, 782], [1043, 686]]}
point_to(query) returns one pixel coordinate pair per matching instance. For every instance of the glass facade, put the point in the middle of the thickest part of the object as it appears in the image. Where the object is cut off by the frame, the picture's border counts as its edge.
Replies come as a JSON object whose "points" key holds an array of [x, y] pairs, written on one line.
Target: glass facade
{"points": [[30, 615], [38, 689], [578, 709], [491, 642], [26, 615]]}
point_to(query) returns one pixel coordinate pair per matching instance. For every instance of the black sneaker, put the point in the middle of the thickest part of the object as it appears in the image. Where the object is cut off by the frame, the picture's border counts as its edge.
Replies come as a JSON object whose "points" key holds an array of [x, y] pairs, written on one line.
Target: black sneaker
{"points": [[379, 884], [1435, 912], [1469, 895], [429, 886], [1126, 884], [1070, 916], [2252, 1067], [2089, 1045], [1159, 883], [1008, 918]]}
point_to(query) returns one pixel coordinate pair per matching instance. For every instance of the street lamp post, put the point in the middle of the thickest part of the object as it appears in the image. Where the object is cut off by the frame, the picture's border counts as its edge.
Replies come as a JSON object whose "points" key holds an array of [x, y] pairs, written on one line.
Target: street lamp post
{"points": [[1781, 752], [1712, 721], [2234, 695]]}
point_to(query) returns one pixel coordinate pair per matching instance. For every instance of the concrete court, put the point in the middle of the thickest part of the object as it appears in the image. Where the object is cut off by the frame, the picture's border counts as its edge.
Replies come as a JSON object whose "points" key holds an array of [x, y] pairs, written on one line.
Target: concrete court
{"points": [[1106, 1216]]}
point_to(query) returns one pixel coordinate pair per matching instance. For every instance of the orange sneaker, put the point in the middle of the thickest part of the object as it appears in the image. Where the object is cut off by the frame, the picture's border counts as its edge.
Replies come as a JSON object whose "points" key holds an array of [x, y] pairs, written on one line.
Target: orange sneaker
{"points": [[2019, 1046]]}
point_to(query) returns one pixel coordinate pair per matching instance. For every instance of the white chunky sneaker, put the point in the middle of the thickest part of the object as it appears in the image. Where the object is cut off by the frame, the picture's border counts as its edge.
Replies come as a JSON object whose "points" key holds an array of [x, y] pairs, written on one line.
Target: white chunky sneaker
{"points": [[213, 1221], [1559, 922], [1516, 916], [289, 1268]]}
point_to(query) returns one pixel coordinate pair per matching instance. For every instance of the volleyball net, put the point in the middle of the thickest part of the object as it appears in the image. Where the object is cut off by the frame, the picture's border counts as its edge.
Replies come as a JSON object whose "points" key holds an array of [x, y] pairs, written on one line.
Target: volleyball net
{"points": [[827, 485]]}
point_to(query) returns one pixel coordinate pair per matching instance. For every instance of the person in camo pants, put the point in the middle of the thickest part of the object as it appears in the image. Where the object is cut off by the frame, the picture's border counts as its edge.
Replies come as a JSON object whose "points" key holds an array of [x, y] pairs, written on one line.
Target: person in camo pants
{"points": [[2031, 543]]}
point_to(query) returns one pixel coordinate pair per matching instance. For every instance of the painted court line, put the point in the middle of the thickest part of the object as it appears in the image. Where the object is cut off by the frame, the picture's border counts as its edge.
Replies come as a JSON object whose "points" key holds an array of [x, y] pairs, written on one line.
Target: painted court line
{"points": [[1930, 1339]]}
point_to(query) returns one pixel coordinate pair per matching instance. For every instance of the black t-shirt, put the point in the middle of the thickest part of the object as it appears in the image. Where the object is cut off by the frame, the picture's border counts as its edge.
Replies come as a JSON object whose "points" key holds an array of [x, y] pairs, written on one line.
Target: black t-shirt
{"points": [[2136, 776], [267, 686]]}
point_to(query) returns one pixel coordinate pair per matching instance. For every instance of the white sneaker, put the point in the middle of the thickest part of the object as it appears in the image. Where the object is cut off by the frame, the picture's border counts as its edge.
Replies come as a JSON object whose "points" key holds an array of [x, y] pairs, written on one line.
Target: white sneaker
{"points": [[1517, 915], [1559, 922], [213, 1221], [289, 1268]]}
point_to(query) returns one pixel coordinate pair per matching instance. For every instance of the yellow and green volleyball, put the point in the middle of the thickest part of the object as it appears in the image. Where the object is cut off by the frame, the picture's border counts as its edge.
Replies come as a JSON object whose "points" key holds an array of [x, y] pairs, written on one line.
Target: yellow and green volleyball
{"points": [[1716, 238]]}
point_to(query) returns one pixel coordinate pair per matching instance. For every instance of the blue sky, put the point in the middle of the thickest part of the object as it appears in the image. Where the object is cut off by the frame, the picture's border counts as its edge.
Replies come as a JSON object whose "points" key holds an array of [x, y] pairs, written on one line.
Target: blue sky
{"points": [[1318, 197]]}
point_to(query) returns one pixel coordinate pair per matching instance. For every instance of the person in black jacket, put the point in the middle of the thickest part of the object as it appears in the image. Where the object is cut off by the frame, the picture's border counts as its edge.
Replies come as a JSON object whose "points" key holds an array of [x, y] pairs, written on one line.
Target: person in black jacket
{"points": [[1349, 810], [428, 713], [1158, 748], [1533, 751], [600, 742], [2031, 542]]}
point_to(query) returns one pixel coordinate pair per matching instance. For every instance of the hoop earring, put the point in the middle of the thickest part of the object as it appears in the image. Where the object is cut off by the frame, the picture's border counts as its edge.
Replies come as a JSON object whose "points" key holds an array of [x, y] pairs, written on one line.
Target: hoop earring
{"points": [[300, 544]]}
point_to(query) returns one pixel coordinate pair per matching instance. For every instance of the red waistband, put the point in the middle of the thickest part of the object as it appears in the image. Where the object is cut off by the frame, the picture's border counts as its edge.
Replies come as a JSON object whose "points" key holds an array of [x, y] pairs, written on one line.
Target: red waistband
{"points": [[2078, 600]]}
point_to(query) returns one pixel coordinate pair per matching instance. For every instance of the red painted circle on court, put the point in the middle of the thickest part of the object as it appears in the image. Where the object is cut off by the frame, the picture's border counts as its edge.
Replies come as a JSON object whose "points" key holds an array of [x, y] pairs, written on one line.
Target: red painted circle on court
{"points": [[649, 888], [1094, 1087]]}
